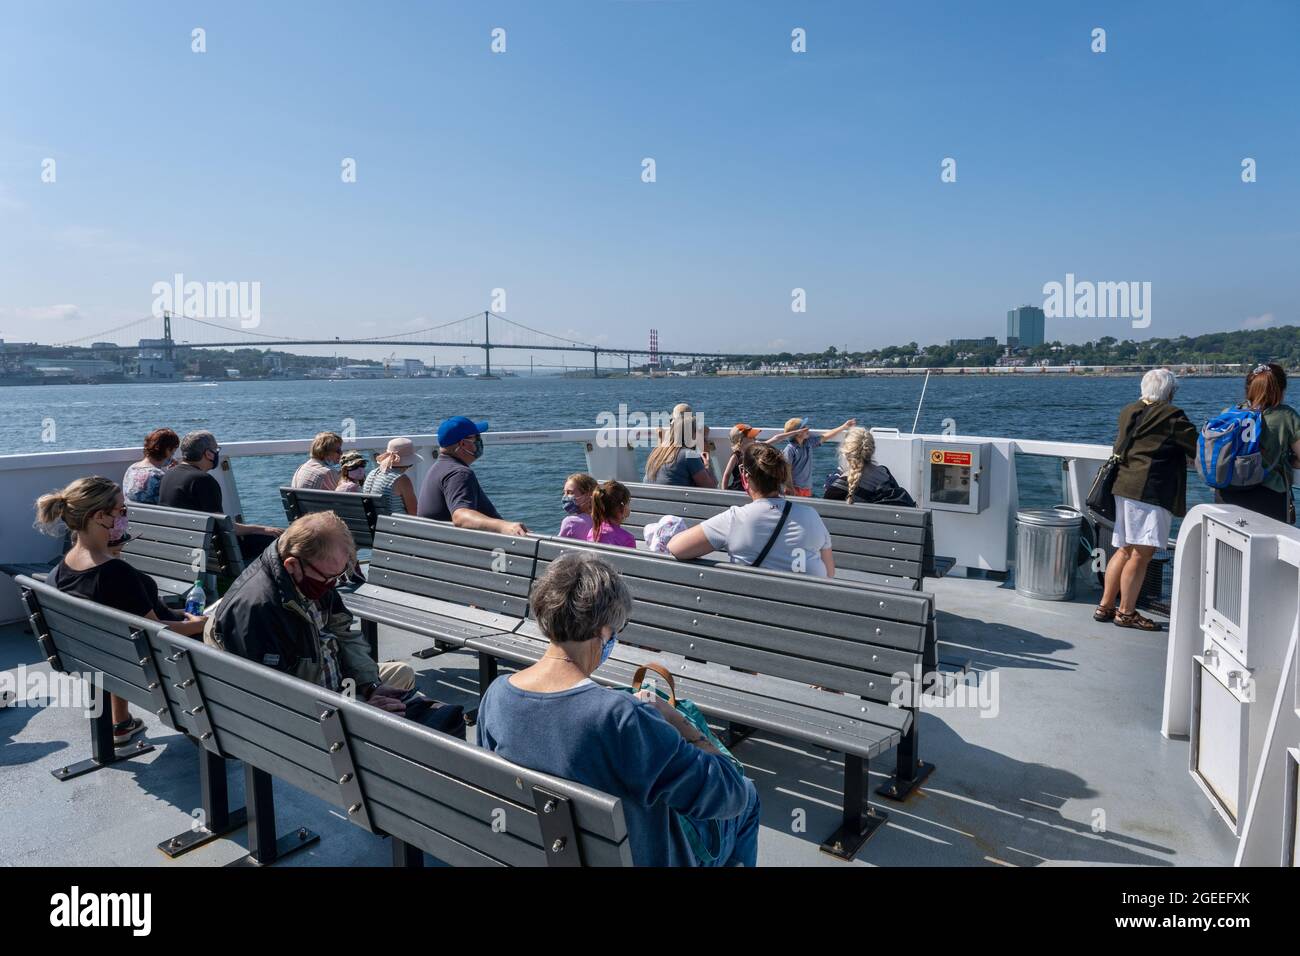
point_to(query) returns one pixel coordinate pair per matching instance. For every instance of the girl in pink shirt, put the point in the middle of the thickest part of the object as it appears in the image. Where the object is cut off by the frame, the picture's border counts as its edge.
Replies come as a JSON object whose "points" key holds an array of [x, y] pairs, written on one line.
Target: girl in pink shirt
{"points": [[577, 506], [611, 503]]}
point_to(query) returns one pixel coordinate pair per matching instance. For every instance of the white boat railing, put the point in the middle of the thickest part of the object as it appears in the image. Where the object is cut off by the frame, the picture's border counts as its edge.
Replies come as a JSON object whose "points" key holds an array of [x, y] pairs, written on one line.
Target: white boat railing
{"points": [[610, 453]]}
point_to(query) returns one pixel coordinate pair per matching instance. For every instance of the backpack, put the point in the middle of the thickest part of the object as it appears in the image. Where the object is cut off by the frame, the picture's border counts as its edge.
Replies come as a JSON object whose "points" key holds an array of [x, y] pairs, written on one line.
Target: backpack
{"points": [[1227, 450]]}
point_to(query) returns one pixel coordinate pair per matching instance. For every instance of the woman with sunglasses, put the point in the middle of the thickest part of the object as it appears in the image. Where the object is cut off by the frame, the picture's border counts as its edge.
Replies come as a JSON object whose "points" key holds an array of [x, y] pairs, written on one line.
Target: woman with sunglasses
{"points": [[1279, 447], [94, 510]]}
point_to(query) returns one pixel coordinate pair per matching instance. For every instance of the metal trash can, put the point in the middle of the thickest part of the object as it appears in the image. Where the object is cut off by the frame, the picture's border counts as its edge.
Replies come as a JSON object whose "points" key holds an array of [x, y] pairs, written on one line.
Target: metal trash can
{"points": [[1047, 548]]}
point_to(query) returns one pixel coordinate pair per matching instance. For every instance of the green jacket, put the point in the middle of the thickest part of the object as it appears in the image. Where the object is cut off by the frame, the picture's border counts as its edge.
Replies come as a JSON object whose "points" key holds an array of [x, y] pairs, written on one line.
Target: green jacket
{"points": [[1154, 469]]}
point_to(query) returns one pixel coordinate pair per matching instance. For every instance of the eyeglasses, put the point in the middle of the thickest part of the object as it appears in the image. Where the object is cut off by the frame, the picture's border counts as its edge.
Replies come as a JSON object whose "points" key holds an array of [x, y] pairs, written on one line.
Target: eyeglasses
{"points": [[338, 580]]}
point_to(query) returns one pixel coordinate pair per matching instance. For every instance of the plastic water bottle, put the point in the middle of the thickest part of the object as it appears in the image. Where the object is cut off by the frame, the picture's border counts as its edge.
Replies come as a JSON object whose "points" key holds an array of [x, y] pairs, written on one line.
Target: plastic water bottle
{"points": [[195, 599]]}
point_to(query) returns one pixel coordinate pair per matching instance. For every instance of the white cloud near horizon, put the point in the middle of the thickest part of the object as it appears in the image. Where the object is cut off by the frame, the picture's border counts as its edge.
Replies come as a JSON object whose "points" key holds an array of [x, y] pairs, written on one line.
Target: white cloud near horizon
{"points": [[1259, 321]]}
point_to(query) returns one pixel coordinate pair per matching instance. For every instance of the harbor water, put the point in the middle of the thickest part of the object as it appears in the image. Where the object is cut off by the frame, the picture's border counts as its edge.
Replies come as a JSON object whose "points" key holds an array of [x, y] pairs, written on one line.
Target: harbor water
{"points": [[524, 482]]}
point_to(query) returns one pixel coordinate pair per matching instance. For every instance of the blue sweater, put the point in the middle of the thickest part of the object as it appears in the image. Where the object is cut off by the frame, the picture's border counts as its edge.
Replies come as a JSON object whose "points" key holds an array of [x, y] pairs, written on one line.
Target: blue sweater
{"points": [[608, 740]]}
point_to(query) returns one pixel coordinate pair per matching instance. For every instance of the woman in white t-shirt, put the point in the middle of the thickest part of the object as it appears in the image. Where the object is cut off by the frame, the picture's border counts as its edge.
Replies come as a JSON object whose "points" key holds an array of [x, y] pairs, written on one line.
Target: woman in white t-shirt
{"points": [[769, 532]]}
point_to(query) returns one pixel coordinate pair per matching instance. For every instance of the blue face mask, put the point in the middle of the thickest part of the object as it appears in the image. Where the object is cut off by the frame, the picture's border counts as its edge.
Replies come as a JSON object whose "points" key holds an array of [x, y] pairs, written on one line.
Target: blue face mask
{"points": [[607, 648], [570, 505]]}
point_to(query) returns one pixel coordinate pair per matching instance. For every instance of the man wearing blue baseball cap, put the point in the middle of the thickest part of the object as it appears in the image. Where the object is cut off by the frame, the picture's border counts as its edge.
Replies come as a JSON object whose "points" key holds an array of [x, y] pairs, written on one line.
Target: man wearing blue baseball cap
{"points": [[451, 491]]}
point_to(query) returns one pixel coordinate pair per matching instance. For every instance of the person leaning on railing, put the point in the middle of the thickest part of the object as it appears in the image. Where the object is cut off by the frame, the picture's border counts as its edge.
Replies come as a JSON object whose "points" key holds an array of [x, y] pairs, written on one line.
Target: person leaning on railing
{"points": [[95, 511], [553, 718], [1279, 446], [451, 491], [1150, 491]]}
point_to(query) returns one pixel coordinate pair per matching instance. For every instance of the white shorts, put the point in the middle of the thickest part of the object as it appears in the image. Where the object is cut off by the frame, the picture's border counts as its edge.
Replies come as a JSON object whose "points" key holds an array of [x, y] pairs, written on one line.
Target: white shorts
{"points": [[1137, 522]]}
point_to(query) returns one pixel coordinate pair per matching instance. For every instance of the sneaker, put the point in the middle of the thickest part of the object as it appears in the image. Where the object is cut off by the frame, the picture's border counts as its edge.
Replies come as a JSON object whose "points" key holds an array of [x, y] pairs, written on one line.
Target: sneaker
{"points": [[123, 732]]}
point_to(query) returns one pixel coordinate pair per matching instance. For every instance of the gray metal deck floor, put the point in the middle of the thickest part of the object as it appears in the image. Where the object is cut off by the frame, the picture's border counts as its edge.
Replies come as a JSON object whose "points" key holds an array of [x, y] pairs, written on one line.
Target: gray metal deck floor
{"points": [[1071, 770]]}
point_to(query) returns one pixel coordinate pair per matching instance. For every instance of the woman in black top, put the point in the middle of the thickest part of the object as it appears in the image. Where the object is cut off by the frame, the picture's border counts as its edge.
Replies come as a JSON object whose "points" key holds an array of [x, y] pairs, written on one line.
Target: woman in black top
{"points": [[871, 483], [95, 511]]}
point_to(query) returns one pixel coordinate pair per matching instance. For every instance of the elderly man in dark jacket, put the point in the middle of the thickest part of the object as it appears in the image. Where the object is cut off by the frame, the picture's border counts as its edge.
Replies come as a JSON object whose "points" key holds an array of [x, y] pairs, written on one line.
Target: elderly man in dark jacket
{"points": [[1156, 444], [284, 611]]}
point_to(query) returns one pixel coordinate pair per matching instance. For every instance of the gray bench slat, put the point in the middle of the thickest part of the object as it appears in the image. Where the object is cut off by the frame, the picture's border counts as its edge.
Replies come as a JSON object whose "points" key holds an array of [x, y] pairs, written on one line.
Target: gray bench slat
{"points": [[137, 551], [518, 845], [478, 557], [426, 530], [485, 579], [415, 621], [502, 603], [165, 534], [129, 676], [108, 681], [861, 734], [739, 581], [170, 517]]}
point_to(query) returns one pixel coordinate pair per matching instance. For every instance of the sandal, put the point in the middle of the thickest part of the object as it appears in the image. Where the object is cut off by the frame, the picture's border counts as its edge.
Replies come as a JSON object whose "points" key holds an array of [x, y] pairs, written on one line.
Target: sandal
{"points": [[1104, 614], [1136, 621]]}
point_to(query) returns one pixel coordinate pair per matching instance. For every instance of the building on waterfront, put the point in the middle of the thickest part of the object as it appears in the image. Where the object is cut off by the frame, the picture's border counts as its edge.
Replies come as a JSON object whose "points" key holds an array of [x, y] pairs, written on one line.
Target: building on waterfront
{"points": [[154, 363], [988, 342], [1026, 327]]}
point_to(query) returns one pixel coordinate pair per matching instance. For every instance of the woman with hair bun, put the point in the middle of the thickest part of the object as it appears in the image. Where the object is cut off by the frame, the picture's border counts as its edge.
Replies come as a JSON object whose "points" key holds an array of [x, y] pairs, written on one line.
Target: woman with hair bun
{"points": [[94, 509]]}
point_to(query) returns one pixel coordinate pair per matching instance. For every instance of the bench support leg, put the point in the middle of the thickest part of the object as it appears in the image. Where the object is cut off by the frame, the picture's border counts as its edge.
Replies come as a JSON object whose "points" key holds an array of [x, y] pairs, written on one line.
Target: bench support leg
{"points": [[102, 751], [860, 818], [263, 846], [370, 631], [405, 855], [487, 672], [910, 771], [218, 820], [734, 733], [438, 647]]}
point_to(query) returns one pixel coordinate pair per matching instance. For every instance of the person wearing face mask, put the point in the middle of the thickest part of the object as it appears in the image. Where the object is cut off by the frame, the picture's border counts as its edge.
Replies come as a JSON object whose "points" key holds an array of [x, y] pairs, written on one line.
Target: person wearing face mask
{"points": [[143, 478], [637, 748], [285, 612], [352, 472], [321, 470], [95, 511], [451, 491], [576, 504], [189, 485]]}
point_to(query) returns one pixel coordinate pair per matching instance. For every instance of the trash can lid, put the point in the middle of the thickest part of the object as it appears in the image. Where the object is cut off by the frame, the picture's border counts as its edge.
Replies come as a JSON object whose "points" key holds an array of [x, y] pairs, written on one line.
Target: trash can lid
{"points": [[1061, 516]]}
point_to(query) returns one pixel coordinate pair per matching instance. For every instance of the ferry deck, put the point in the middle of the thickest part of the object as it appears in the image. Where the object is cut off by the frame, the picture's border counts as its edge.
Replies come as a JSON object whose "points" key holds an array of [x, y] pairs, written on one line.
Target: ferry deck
{"points": [[1052, 754]]}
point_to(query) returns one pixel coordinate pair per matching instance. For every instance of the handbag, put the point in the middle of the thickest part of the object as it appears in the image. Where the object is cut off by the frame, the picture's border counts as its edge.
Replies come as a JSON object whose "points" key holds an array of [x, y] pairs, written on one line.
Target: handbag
{"points": [[1101, 496], [704, 836]]}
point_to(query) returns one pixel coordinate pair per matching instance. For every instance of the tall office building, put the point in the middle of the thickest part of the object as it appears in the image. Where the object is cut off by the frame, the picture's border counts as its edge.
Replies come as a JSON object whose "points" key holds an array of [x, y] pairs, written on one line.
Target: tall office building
{"points": [[1025, 327]]}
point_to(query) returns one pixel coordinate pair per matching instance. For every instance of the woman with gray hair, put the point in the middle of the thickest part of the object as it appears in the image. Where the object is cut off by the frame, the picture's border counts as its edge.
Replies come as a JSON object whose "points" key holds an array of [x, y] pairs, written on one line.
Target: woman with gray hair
{"points": [[551, 717], [1156, 444]]}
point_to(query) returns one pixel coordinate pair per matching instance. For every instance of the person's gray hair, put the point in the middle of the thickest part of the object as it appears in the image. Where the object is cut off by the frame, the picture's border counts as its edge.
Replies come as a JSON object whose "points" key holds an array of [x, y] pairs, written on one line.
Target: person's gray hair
{"points": [[578, 596], [1159, 385], [197, 444]]}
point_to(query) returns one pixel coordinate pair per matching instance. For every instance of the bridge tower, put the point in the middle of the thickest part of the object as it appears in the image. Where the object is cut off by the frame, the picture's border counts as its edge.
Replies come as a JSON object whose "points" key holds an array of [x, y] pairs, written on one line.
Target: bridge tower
{"points": [[167, 337], [653, 364]]}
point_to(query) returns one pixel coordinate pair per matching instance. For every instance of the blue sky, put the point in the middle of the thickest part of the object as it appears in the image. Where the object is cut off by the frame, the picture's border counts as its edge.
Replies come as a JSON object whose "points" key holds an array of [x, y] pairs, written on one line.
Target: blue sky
{"points": [[775, 170]]}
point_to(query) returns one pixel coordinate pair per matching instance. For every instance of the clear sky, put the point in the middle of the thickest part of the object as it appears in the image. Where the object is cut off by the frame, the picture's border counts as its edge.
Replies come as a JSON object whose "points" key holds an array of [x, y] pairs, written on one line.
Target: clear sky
{"points": [[775, 170]]}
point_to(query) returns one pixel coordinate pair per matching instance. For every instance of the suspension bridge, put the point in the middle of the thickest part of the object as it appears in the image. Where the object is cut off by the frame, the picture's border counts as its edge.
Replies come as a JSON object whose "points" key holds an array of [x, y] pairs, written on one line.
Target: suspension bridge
{"points": [[487, 331]]}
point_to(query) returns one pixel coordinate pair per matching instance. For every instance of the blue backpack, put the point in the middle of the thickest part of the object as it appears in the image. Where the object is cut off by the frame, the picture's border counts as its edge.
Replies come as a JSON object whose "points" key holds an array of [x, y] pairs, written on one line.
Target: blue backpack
{"points": [[1227, 451]]}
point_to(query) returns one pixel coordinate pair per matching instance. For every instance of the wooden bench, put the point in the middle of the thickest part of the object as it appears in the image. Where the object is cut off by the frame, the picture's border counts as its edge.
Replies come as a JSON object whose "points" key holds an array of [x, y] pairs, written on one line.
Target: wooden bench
{"points": [[430, 792], [711, 623], [174, 546], [877, 544], [359, 511]]}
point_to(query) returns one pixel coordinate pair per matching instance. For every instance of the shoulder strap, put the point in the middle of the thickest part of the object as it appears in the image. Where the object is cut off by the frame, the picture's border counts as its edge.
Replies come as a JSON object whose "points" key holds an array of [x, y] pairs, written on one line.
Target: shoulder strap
{"points": [[1132, 430], [785, 513]]}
